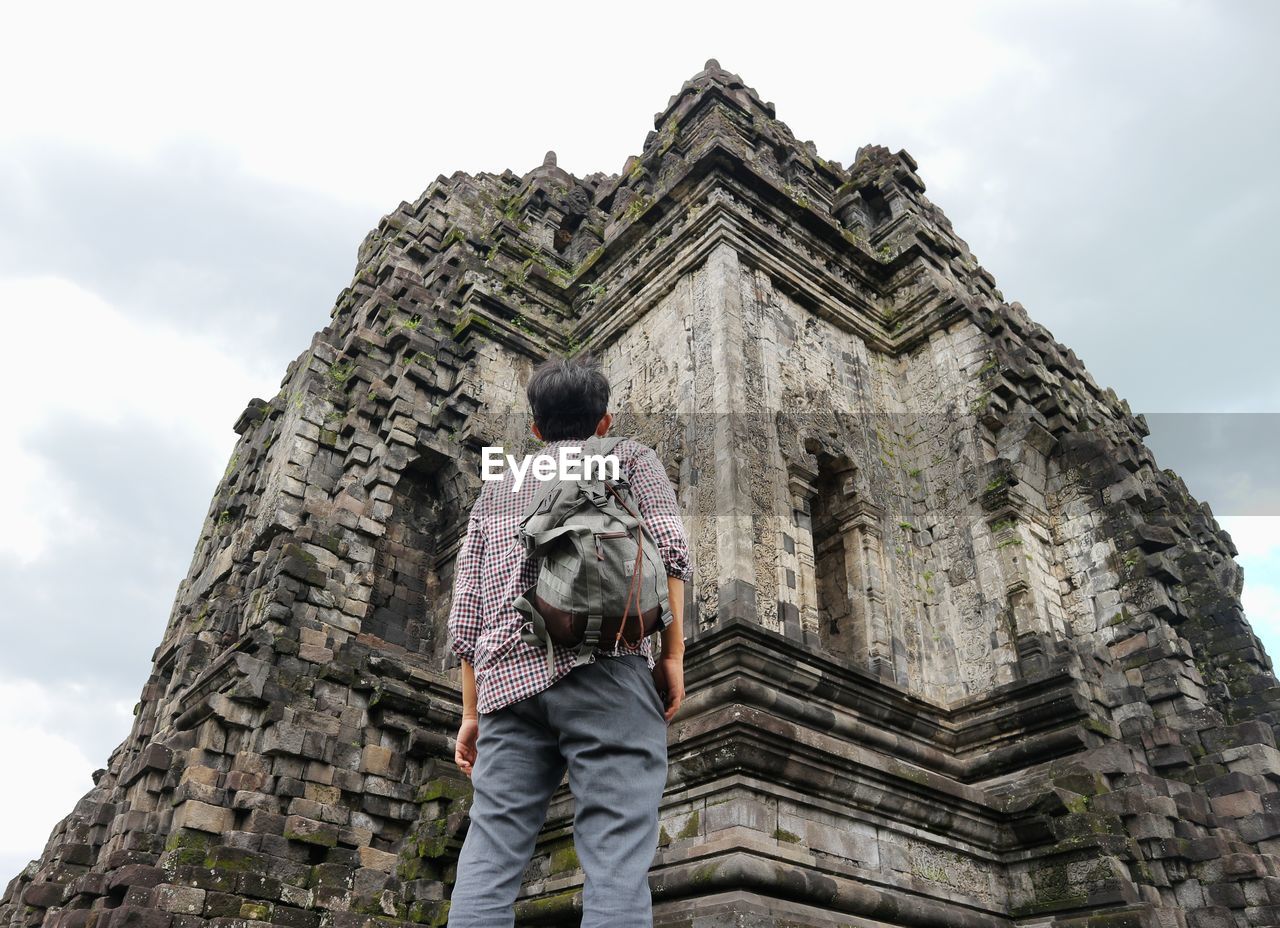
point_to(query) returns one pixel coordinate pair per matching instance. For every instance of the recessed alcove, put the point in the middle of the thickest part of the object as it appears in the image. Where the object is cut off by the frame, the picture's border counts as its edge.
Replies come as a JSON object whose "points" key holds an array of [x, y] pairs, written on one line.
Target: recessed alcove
{"points": [[842, 620], [413, 560]]}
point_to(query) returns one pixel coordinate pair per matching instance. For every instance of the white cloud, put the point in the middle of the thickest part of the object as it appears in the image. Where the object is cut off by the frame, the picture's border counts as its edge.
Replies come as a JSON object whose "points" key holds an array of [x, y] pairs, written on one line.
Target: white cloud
{"points": [[1257, 538], [299, 97], [44, 774], [81, 357]]}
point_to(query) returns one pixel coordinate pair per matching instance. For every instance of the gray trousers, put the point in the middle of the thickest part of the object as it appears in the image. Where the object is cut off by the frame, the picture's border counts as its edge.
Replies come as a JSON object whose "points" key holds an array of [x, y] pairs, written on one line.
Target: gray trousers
{"points": [[604, 720]]}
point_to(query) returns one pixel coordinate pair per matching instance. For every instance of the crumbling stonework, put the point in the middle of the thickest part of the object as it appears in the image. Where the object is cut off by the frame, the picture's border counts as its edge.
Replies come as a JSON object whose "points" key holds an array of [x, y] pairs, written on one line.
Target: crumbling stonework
{"points": [[959, 652]]}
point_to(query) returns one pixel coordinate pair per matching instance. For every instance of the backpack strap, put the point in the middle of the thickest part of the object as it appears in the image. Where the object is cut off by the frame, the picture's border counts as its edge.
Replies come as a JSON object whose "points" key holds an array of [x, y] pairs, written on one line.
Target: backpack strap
{"points": [[538, 541], [601, 444], [538, 635], [595, 611], [633, 591], [663, 599]]}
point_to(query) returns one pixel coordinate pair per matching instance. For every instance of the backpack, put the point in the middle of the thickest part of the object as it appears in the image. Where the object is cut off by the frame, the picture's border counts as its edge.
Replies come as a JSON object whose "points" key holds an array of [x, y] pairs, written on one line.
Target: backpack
{"points": [[600, 573]]}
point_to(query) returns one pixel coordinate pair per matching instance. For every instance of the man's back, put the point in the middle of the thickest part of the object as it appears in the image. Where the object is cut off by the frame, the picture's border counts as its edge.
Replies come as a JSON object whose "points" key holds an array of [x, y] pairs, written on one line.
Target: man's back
{"points": [[493, 569]]}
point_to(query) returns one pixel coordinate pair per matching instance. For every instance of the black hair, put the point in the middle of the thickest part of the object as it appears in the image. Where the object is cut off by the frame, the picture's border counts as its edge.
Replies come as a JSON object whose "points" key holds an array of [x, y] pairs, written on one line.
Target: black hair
{"points": [[568, 397]]}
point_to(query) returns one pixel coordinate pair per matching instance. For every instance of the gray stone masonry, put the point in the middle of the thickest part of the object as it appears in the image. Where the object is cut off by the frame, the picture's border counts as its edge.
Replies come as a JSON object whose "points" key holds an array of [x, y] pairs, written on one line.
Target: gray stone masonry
{"points": [[959, 652]]}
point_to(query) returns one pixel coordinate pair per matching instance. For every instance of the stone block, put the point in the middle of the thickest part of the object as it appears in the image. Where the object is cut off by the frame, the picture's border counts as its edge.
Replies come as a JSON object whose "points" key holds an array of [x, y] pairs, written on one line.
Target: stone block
{"points": [[298, 828], [378, 860], [1237, 805], [44, 895], [740, 810], [378, 760], [201, 816], [181, 899], [281, 738], [325, 795], [135, 916], [841, 838]]}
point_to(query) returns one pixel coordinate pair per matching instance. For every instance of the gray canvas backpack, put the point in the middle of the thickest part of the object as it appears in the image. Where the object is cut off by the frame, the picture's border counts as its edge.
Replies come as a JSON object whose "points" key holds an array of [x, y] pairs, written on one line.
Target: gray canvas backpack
{"points": [[601, 576]]}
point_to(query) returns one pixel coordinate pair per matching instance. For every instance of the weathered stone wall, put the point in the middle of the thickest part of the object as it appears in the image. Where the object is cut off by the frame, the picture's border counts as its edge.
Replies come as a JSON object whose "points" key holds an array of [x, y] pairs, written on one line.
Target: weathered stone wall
{"points": [[958, 651]]}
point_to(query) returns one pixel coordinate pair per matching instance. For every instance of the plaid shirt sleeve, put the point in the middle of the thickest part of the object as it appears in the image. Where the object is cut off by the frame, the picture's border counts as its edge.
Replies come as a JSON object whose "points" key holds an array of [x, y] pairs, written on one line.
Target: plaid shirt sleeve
{"points": [[465, 611], [651, 489]]}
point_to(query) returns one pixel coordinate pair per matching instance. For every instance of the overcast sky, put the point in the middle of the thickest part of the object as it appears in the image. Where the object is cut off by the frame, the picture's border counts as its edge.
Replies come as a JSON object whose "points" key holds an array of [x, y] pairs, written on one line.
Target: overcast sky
{"points": [[182, 195]]}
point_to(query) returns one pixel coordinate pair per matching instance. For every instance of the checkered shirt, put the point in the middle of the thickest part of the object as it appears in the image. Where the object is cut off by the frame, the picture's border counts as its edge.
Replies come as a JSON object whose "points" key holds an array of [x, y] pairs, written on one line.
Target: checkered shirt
{"points": [[493, 568]]}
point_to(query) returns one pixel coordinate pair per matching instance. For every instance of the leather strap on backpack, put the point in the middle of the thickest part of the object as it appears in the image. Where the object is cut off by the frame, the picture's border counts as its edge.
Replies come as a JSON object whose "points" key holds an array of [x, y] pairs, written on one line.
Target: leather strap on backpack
{"points": [[595, 609], [637, 571], [633, 594]]}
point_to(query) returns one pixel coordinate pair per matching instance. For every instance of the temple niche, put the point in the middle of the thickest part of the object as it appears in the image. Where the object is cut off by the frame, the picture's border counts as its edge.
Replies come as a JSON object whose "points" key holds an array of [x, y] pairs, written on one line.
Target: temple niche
{"points": [[842, 613], [413, 560], [848, 575], [851, 591]]}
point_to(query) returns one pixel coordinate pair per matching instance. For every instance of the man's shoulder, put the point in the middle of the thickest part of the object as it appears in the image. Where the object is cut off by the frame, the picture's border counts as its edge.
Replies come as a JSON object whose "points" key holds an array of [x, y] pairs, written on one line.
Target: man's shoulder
{"points": [[628, 449], [632, 446], [631, 452]]}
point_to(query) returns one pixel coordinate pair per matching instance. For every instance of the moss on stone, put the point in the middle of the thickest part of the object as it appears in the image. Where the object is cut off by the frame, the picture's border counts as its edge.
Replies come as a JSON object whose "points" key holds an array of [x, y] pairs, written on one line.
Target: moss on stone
{"points": [[293, 550], [415, 868], [547, 907], [371, 904], [257, 911], [783, 835], [198, 623], [189, 847], [231, 860], [432, 839], [1077, 804], [565, 859], [472, 321], [444, 788], [705, 873], [690, 828], [1099, 726], [588, 259], [323, 838], [637, 206], [431, 912]]}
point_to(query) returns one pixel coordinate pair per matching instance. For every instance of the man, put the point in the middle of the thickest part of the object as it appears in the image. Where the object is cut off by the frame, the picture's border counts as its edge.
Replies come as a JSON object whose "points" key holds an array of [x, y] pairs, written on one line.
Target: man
{"points": [[606, 721]]}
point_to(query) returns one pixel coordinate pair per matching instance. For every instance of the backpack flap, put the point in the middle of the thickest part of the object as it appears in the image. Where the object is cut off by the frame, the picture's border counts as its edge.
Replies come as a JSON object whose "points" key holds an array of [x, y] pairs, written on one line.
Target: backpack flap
{"points": [[601, 576], [561, 582]]}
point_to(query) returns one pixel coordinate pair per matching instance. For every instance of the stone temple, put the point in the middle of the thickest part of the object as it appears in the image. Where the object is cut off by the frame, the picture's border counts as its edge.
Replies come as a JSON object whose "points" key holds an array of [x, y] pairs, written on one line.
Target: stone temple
{"points": [[959, 653]]}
